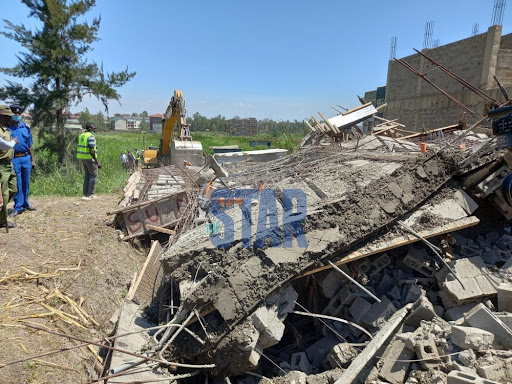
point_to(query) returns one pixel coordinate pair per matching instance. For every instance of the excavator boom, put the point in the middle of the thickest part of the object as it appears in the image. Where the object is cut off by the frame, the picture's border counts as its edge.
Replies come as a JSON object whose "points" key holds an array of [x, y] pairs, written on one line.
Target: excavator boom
{"points": [[174, 116], [175, 148]]}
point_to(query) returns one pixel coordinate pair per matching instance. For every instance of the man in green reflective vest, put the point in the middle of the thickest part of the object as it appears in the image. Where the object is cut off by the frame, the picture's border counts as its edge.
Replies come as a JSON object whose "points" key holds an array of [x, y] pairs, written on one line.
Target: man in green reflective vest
{"points": [[136, 153], [87, 154]]}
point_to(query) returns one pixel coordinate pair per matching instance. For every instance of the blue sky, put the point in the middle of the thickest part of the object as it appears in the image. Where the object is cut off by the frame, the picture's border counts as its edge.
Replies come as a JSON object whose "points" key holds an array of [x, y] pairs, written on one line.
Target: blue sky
{"points": [[279, 59]]}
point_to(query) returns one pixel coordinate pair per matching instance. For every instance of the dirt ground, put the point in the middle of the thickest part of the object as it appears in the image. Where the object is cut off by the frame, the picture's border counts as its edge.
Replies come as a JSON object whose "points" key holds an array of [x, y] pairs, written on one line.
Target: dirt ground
{"points": [[62, 268]]}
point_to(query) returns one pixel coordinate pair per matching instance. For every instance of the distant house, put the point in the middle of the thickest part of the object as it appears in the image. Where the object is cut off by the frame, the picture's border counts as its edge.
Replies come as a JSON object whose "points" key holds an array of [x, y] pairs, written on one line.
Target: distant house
{"points": [[73, 124], [132, 123], [155, 123], [118, 123], [243, 127]]}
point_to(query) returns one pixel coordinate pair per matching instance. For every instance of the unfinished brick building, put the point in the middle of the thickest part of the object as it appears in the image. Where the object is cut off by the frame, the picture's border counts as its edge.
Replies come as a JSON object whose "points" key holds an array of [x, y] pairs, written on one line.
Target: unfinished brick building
{"points": [[417, 104]]}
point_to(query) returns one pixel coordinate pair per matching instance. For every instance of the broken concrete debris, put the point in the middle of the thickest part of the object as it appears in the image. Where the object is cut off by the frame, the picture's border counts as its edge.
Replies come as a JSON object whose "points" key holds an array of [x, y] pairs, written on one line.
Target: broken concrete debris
{"points": [[251, 290]]}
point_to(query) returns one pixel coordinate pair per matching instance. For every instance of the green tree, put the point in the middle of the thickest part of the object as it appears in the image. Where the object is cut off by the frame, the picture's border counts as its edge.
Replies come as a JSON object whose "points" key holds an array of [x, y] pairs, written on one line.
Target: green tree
{"points": [[55, 63], [144, 125], [85, 117], [144, 114]]}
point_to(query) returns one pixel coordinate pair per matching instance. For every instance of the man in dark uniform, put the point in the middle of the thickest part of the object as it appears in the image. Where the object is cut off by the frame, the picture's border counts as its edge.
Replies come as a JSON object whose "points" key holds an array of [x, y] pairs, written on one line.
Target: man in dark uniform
{"points": [[23, 161], [7, 174]]}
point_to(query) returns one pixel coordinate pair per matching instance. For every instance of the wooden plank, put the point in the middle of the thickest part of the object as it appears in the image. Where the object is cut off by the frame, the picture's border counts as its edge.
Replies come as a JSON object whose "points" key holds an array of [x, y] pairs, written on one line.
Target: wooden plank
{"points": [[357, 108], [386, 120], [404, 130], [333, 128], [384, 130], [379, 246], [428, 132], [160, 229], [368, 353], [309, 126], [322, 128], [148, 281]]}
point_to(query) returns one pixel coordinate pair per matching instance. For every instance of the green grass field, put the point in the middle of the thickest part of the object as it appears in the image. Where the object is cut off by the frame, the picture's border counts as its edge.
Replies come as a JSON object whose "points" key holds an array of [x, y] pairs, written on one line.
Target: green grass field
{"points": [[66, 180]]}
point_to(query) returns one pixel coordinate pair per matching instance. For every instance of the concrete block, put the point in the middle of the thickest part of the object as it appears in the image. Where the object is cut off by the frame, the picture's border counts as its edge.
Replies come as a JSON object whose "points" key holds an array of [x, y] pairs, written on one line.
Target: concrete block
{"points": [[283, 299], [470, 337], [447, 300], [481, 317], [379, 312], [505, 317], [505, 297], [473, 274], [299, 362], [359, 308], [459, 367], [426, 350], [463, 294], [341, 355], [332, 283], [267, 322], [466, 202], [386, 284], [317, 352], [492, 237], [296, 377], [457, 313], [494, 371], [456, 377], [396, 366], [411, 293], [394, 293], [378, 263], [422, 310], [418, 260], [344, 297], [467, 358], [439, 310], [507, 365]]}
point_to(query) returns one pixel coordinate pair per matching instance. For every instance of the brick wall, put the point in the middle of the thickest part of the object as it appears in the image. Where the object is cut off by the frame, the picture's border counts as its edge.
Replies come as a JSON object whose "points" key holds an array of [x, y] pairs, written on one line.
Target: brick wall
{"points": [[418, 104]]}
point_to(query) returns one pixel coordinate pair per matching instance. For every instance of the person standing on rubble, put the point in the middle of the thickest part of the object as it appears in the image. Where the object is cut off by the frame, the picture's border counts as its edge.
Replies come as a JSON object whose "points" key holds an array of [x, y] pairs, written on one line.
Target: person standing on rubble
{"points": [[7, 175], [23, 161], [87, 154]]}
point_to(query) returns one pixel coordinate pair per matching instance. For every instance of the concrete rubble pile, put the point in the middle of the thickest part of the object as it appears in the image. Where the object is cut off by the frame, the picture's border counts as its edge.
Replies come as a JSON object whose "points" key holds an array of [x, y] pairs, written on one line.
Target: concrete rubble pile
{"points": [[369, 299]]}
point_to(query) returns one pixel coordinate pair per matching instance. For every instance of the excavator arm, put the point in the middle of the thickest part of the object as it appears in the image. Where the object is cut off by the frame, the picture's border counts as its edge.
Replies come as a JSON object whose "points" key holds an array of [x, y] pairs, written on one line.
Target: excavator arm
{"points": [[174, 116]]}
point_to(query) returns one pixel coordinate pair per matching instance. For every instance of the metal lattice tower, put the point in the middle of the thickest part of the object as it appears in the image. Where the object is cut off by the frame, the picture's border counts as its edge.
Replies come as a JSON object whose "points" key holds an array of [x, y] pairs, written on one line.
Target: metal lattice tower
{"points": [[392, 50], [498, 12], [476, 27], [429, 31], [436, 43]]}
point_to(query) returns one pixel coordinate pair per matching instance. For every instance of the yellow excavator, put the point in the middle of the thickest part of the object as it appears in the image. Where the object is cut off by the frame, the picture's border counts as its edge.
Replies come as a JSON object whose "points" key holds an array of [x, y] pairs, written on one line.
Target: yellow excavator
{"points": [[180, 150]]}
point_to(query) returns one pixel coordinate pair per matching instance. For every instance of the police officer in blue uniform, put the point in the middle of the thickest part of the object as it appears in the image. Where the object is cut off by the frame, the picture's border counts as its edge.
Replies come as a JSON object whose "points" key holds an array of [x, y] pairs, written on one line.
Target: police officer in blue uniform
{"points": [[23, 161]]}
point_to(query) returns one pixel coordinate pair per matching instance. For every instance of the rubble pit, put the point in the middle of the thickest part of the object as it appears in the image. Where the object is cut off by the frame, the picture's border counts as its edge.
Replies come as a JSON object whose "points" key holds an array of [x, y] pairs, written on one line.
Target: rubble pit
{"points": [[409, 312]]}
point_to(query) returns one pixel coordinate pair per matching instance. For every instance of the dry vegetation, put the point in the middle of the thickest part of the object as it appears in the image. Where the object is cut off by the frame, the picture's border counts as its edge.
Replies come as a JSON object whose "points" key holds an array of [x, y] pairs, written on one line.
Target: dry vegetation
{"points": [[64, 269]]}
